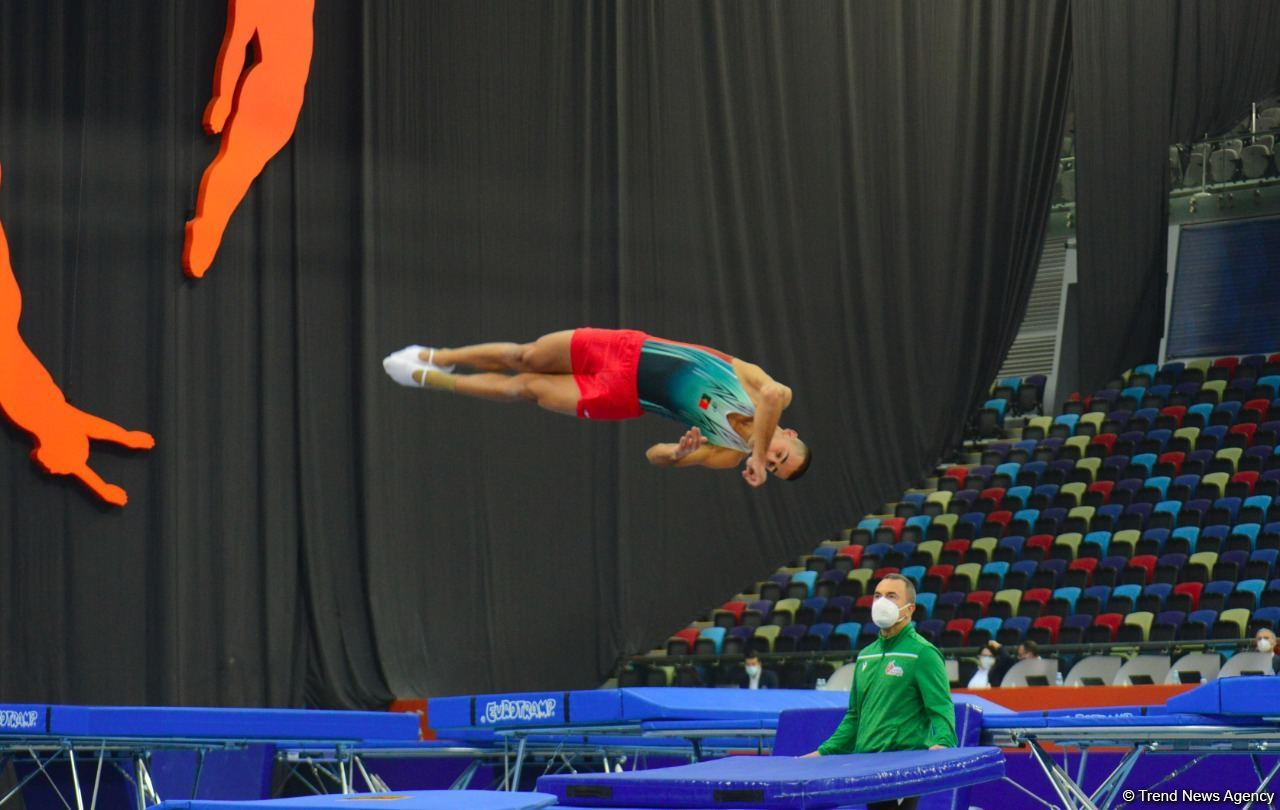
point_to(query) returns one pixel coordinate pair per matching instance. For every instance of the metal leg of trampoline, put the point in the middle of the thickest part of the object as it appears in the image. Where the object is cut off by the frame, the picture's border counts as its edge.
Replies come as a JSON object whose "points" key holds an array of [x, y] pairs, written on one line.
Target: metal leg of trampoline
{"points": [[1084, 759], [23, 782], [1073, 798], [1265, 782], [97, 777], [1105, 795], [1167, 778], [519, 766], [464, 779], [75, 778], [43, 770], [195, 783], [506, 763], [375, 783], [146, 787], [1029, 794]]}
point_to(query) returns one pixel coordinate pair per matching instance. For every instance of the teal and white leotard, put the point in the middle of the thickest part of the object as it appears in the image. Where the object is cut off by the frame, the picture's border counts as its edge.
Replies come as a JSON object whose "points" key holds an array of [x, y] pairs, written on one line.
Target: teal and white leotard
{"points": [[695, 386]]}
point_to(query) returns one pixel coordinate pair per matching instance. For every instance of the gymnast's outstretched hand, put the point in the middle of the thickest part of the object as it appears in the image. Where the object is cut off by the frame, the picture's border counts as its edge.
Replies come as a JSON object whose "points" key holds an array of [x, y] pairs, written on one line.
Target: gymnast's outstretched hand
{"points": [[690, 442]]}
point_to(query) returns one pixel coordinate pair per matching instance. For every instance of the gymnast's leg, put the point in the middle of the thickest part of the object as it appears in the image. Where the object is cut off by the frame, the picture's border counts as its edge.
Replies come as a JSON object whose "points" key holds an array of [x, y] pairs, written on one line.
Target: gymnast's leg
{"points": [[554, 392]]}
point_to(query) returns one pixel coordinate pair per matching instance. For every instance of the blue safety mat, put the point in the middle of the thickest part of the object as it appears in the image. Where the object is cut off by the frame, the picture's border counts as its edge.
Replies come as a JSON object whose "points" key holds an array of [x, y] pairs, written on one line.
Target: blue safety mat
{"points": [[709, 725], [691, 703], [1247, 696], [400, 800], [1088, 718], [24, 718], [621, 706], [154, 722], [782, 783]]}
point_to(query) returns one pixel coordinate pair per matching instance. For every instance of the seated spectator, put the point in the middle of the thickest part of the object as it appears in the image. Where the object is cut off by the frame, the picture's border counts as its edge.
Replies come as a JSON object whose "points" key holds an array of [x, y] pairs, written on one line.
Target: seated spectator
{"points": [[992, 666], [755, 676], [1265, 641]]}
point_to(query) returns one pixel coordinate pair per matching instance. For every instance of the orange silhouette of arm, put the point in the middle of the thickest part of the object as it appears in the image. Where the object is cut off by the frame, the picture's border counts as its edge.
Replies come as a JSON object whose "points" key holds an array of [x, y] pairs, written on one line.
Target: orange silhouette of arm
{"points": [[226, 73], [33, 401], [255, 109]]}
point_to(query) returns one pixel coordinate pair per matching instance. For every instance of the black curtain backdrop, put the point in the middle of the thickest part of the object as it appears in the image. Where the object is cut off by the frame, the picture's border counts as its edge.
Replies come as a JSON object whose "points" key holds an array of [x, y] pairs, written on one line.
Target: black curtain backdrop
{"points": [[851, 194], [1149, 73]]}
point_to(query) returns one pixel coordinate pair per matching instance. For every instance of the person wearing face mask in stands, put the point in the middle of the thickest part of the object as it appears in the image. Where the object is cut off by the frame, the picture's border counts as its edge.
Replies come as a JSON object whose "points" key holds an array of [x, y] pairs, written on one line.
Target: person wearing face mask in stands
{"points": [[755, 676], [900, 699], [1265, 641], [987, 657]]}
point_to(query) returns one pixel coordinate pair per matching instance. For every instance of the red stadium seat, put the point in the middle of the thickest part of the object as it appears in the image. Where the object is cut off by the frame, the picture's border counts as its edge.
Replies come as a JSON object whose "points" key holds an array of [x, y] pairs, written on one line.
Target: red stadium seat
{"points": [[1244, 429], [894, 525], [1173, 459], [1106, 440], [961, 627], [1175, 413], [1191, 589], [1086, 564], [1051, 623], [1111, 621], [1255, 410], [1103, 488], [736, 609], [1041, 541], [1144, 561], [938, 576], [1228, 363], [982, 599], [1248, 478], [852, 550]]}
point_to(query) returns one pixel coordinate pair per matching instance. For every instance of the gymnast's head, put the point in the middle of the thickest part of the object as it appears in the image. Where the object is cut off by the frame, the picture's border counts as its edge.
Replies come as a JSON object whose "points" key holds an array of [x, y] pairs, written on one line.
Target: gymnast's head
{"points": [[788, 457]]}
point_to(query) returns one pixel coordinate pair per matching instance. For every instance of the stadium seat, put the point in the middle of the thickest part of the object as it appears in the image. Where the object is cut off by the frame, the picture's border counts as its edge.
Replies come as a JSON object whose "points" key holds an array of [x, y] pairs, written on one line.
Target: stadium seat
{"points": [[1185, 597], [1005, 604], [1093, 600], [1152, 599], [1104, 629], [1013, 630], [1136, 627], [1230, 624], [1044, 630], [710, 641]]}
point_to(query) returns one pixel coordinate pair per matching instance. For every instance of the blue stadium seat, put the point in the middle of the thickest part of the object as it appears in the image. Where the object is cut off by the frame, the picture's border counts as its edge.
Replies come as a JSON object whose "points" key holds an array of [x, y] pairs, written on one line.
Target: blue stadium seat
{"points": [[1069, 596], [806, 578], [1154, 596], [916, 528], [1248, 594], [1015, 498], [915, 573], [713, 634], [1100, 540], [924, 603], [990, 625], [1014, 630]]}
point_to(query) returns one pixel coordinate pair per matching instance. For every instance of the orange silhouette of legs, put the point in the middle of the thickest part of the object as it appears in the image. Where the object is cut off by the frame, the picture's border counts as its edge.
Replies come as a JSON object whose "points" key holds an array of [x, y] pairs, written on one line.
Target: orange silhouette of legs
{"points": [[31, 399], [259, 113]]}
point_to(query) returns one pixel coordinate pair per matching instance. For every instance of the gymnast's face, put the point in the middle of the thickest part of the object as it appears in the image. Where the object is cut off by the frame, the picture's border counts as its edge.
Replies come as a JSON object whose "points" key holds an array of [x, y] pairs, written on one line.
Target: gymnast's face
{"points": [[786, 453]]}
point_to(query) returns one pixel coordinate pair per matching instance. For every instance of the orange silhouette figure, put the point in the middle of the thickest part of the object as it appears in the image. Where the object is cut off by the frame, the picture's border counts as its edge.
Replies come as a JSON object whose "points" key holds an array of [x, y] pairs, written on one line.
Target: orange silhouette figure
{"points": [[258, 115], [33, 401]]}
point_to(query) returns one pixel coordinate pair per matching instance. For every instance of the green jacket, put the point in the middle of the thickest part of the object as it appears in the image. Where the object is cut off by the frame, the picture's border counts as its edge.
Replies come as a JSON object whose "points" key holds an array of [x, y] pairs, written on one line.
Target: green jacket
{"points": [[900, 700]]}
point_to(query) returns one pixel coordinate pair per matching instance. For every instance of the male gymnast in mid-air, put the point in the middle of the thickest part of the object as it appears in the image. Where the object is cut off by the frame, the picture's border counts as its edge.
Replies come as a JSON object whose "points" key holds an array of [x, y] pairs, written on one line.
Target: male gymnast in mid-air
{"points": [[731, 407]]}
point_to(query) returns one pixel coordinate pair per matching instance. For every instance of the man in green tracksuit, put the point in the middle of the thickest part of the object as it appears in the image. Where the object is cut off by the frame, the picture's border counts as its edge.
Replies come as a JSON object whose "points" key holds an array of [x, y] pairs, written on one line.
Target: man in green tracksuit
{"points": [[900, 699]]}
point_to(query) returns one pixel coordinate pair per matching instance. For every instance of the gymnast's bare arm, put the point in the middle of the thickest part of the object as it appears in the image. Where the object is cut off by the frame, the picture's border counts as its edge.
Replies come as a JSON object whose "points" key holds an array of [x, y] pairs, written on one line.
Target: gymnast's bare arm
{"points": [[771, 398], [693, 451]]}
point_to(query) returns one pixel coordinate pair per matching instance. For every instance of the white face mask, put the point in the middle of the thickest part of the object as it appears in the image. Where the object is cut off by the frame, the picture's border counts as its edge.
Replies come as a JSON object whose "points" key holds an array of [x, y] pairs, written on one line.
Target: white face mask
{"points": [[753, 671], [1265, 645], [986, 661], [884, 613]]}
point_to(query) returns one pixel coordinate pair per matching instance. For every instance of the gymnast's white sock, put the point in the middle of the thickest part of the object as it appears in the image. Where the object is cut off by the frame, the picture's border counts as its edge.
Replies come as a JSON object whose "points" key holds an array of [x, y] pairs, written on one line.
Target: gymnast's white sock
{"points": [[401, 365]]}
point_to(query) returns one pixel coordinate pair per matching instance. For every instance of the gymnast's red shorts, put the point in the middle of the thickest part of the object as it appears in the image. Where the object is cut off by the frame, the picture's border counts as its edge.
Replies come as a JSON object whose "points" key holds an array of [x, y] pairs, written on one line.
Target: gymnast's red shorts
{"points": [[604, 366]]}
